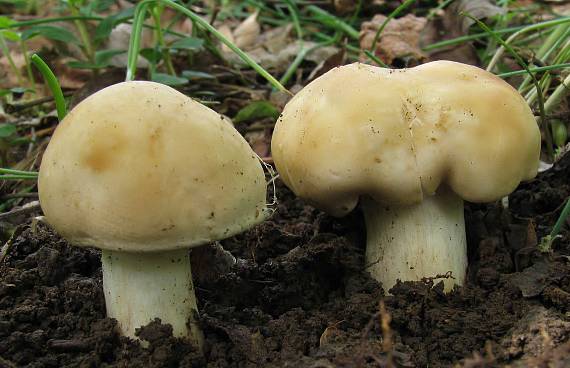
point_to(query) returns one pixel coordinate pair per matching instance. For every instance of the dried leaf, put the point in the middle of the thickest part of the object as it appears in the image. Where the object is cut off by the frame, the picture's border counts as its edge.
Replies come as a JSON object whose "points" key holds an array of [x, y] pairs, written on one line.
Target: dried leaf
{"points": [[328, 334], [478, 9], [247, 32], [344, 6], [227, 32], [450, 24], [399, 40], [329, 63], [531, 237], [280, 59], [119, 40], [260, 142]]}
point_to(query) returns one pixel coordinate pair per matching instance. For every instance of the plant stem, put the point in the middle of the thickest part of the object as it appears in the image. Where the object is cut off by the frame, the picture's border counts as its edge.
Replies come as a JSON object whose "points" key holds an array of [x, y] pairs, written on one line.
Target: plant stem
{"points": [[556, 96], [6, 51], [156, 12], [454, 41], [34, 22], [561, 219], [544, 54], [24, 50], [53, 85], [390, 16], [334, 22], [534, 70], [16, 177], [134, 45], [302, 51], [501, 50], [31, 174], [80, 24], [546, 127]]}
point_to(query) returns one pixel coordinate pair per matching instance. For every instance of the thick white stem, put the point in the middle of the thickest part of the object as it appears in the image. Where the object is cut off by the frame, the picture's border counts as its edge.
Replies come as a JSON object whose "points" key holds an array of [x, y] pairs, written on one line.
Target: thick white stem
{"points": [[140, 287], [412, 242]]}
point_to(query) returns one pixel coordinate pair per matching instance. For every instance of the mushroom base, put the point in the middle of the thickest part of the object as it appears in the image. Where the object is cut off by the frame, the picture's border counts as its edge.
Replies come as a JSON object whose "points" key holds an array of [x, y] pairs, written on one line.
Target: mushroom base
{"points": [[409, 243], [140, 287]]}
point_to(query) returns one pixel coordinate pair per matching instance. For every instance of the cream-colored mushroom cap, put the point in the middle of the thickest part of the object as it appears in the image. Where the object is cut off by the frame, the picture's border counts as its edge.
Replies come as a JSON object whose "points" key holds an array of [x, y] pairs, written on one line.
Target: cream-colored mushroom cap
{"points": [[397, 135], [139, 167]]}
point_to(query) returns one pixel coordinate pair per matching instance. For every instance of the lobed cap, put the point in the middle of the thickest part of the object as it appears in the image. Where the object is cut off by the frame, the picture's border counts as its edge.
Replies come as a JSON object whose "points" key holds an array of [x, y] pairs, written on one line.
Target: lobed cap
{"points": [[397, 135]]}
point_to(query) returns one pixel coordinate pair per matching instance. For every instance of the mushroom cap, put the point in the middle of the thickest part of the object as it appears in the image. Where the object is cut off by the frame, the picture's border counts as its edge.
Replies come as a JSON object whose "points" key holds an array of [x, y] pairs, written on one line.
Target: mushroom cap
{"points": [[397, 135], [140, 167]]}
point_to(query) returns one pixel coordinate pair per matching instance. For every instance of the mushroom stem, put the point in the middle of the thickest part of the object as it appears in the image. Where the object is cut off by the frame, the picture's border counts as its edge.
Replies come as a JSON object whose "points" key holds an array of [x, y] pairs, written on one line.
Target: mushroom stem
{"points": [[409, 243], [140, 287]]}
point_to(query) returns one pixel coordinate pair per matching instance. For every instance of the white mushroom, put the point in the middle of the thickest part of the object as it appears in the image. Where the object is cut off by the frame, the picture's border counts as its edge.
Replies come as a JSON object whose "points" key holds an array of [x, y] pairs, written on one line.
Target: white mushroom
{"points": [[143, 172], [411, 144]]}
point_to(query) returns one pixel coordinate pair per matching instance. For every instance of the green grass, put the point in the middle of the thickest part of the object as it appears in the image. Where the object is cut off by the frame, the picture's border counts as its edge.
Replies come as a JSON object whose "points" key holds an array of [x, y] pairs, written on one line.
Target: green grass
{"points": [[542, 49]]}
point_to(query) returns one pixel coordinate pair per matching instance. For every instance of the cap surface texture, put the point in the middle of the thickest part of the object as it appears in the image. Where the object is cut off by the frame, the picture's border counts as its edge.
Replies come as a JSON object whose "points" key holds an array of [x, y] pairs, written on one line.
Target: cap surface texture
{"points": [[397, 135], [139, 166]]}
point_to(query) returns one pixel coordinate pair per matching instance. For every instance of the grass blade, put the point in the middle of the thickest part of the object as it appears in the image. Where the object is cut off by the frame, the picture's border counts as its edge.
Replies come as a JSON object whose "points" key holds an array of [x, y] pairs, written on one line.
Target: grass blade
{"points": [[535, 70], [31, 174], [523, 64], [390, 16], [134, 45], [53, 85]]}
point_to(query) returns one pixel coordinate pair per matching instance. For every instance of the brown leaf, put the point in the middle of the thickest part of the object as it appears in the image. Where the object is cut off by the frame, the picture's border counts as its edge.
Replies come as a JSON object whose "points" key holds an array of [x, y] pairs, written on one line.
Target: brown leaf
{"points": [[247, 32], [329, 63], [70, 78], [399, 39], [344, 6], [260, 141], [478, 9], [227, 32]]}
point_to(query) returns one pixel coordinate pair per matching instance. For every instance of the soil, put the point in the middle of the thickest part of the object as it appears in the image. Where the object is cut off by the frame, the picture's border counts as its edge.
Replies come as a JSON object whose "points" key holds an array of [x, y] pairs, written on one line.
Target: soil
{"points": [[296, 295]]}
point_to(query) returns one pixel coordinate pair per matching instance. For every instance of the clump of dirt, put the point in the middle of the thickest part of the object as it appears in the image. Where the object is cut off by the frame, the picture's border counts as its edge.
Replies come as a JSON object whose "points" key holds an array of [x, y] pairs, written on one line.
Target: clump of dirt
{"points": [[292, 292]]}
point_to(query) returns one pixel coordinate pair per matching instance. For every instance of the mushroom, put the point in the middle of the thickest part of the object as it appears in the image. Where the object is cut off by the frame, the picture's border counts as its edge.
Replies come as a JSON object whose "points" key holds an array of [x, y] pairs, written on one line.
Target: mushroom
{"points": [[411, 145], [144, 173]]}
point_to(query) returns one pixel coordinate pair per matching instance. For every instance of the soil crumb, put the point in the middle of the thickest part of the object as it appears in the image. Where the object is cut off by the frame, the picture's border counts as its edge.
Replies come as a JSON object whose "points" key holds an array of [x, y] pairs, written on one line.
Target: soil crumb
{"points": [[292, 293]]}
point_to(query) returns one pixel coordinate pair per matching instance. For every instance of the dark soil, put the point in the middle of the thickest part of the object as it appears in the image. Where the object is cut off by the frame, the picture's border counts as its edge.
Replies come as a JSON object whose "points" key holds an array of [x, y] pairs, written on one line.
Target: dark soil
{"points": [[297, 297]]}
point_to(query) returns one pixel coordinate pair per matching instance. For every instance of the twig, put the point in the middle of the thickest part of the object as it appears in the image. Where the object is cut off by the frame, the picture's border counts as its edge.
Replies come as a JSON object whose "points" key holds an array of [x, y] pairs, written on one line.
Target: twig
{"points": [[25, 209]]}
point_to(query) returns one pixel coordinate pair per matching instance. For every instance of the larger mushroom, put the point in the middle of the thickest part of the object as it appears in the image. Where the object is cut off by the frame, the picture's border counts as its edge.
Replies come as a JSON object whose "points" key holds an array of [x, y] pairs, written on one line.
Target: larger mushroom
{"points": [[411, 145], [143, 172]]}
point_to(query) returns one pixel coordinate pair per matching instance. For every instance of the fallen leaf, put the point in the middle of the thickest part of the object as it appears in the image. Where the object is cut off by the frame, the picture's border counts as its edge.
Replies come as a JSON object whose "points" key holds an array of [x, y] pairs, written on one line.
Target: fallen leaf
{"points": [[247, 32], [450, 24], [119, 40], [257, 110], [280, 60], [225, 30], [276, 48], [344, 6], [280, 98], [479, 9], [329, 63], [70, 78], [399, 39], [260, 141]]}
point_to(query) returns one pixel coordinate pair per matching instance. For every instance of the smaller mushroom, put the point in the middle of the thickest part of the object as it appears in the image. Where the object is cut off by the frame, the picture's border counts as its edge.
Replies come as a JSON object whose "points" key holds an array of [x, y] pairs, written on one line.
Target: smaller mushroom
{"points": [[411, 145], [144, 173]]}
